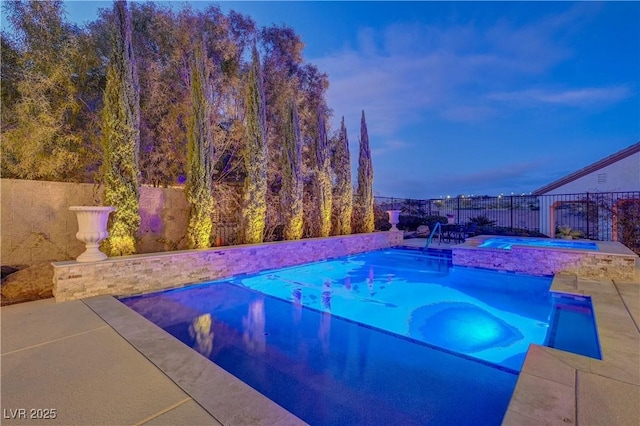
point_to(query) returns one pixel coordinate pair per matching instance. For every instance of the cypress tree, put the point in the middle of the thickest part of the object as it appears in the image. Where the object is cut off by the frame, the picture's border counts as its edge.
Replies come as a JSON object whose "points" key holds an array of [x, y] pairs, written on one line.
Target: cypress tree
{"points": [[323, 176], [254, 203], [365, 181], [121, 138], [291, 194], [199, 156], [343, 190]]}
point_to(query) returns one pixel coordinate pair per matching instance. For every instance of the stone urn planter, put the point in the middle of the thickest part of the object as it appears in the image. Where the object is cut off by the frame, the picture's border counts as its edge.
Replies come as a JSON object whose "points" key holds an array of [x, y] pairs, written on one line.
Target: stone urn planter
{"points": [[394, 218], [92, 230]]}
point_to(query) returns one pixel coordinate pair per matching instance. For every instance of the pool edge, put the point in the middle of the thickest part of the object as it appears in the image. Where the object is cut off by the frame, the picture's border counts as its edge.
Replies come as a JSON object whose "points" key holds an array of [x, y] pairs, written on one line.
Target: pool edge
{"points": [[225, 397], [554, 386]]}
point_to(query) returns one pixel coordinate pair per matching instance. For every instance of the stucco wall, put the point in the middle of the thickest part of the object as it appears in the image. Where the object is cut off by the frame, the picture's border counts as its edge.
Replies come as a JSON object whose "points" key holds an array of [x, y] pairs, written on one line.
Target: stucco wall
{"points": [[37, 226], [621, 176], [127, 275]]}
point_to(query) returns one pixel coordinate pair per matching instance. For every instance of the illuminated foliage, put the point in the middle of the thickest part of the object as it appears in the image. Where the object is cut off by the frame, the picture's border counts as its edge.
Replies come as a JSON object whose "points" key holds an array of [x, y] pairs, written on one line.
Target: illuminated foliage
{"points": [[39, 104], [343, 190], [323, 177], [282, 58], [199, 156], [366, 220], [71, 113], [254, 205], [291, 195], [313, 114], [121, 138]]}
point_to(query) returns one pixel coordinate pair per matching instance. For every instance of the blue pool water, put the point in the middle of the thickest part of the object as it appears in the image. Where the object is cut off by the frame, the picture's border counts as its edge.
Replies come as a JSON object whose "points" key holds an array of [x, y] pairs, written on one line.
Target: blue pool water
{"points": [[505, 243], [385, 337], [572, 326], [487, 315]]}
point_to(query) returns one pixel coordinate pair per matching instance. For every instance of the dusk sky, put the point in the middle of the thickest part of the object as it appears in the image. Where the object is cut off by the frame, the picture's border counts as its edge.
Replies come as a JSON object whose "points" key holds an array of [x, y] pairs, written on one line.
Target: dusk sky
{"points": [[468, 97]]}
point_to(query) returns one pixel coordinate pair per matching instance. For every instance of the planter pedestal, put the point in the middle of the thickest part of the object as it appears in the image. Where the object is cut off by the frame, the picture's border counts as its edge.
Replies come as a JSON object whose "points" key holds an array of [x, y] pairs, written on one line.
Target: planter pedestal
{"points": [[394, 218], [92, 230]]}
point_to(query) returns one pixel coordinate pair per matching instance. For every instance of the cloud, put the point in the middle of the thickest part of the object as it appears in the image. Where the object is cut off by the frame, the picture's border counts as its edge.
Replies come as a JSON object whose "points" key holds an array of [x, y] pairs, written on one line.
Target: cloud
{"points": [[570, 97], [389, 146], [405, 72], [468, 113], [460, 86]]}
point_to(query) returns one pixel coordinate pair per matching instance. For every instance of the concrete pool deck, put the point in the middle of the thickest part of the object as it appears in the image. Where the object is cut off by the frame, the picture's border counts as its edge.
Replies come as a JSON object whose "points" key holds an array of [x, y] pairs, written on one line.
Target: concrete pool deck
{"points": [[96, 362]]}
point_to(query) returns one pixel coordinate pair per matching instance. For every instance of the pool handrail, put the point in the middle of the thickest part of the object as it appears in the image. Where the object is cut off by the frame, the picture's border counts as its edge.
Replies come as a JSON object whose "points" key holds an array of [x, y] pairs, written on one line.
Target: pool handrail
{"points": [[437, 226]]}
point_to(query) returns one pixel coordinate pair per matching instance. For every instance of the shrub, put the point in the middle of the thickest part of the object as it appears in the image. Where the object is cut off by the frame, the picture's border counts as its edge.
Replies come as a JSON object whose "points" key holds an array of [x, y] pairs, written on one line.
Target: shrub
{"points": [[381, 219], [482, 221], [411, 222], [508, 232]]}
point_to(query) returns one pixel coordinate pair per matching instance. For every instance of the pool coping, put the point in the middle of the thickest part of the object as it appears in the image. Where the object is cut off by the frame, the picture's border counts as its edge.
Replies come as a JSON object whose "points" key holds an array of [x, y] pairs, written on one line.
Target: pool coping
{"points": [[557, 387], [611, 248], [195, 374], [553, 387], [612, 259]]}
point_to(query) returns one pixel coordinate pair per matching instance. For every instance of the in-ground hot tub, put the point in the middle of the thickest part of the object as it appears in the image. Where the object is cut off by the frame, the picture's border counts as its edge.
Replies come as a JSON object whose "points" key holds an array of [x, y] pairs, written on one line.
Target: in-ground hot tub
{"points": [[506, 243], [547, 256]]}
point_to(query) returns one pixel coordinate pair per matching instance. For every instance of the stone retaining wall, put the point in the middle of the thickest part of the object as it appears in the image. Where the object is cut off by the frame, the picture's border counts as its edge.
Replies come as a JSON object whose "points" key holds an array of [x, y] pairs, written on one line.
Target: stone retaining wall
{"points": [[548, 262], [128, 275]]}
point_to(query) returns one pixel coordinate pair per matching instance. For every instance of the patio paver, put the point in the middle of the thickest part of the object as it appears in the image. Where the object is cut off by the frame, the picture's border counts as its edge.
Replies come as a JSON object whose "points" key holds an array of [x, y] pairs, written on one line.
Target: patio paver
{"points": [[64, 357]]}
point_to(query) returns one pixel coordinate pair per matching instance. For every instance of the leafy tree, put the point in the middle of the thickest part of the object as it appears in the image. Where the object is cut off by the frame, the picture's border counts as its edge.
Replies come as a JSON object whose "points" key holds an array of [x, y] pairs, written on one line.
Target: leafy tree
{"points": [[10, 71], [39, 104], [292, 184], [255, 155], [366, 221], [316, 155], [343, 190], [228, 39], [163, 44], [121, 138], [282, 60]]}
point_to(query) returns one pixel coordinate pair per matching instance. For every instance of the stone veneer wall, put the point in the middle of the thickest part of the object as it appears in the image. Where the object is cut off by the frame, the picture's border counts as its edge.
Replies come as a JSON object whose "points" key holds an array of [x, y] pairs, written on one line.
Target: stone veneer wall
{"points": [[128, 275], [547, 262]]}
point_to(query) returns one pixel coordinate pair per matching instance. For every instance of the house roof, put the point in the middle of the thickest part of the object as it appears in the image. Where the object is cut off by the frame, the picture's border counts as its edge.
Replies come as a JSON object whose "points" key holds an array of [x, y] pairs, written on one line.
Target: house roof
{"points": [[627, 152]]}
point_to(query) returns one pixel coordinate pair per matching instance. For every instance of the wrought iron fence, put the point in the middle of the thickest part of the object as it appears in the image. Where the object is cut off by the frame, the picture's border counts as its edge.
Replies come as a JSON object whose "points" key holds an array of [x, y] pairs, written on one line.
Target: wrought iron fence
{"points": [[226, 233], [605, 216]]}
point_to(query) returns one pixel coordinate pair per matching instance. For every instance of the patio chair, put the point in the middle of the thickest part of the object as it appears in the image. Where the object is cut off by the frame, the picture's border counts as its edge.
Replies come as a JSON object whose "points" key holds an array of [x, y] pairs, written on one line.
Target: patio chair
{"points": [[469, 231]]}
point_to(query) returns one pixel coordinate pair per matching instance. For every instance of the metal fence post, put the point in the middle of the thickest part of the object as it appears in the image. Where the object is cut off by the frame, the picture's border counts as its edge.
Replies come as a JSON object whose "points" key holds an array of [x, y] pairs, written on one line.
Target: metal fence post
{"points": [[511, 210], [588, 208]]}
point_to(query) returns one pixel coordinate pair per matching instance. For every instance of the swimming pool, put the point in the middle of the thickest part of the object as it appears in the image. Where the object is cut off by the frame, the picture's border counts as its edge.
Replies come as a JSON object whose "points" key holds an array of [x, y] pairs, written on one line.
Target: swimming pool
{"points": [[505, 243], [423, 298], [441, 344]]}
